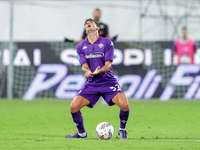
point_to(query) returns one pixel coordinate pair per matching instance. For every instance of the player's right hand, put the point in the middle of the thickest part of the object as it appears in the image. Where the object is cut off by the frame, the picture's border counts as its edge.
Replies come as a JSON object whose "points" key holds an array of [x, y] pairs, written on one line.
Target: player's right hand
{"points": [[88, 73]]}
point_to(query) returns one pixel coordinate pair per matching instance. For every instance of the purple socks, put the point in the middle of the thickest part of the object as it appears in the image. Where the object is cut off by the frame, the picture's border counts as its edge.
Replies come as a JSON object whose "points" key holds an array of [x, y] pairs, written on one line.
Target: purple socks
{"points": [[78, 120], [123, 115]]}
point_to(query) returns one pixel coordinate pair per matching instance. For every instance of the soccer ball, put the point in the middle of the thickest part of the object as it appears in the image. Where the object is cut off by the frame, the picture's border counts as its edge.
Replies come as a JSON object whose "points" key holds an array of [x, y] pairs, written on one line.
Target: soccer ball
{"points": [[104, 130]]}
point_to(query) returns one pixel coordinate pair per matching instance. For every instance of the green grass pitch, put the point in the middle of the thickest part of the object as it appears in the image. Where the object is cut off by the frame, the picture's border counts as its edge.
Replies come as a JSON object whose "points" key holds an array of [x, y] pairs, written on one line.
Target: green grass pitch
{"points": [[153, 124]]}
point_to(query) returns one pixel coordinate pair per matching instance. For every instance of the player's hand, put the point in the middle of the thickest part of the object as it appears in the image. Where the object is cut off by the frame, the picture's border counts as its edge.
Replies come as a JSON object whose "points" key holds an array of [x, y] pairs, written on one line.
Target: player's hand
{"points": [[88, 73], [96, 71]]}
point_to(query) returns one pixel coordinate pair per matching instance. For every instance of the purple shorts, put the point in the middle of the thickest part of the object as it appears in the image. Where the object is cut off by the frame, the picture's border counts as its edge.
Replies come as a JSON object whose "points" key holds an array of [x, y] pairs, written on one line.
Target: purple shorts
{"points": [[93, 93]]}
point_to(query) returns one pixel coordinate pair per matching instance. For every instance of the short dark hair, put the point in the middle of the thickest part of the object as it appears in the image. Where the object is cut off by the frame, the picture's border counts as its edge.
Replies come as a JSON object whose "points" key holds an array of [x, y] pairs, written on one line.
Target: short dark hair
{"points": [[90, 19], [97, 9]]}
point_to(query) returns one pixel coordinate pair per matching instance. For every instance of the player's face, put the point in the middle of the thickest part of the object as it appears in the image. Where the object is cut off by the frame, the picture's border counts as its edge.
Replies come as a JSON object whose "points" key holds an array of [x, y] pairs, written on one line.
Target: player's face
{"points": [[97, 15], [184, 32], [90, 26]]}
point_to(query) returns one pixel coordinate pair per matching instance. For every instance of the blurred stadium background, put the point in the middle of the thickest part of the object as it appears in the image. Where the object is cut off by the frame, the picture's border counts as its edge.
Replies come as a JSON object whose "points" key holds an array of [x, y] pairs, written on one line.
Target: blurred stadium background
{"points": [[32, 36]]}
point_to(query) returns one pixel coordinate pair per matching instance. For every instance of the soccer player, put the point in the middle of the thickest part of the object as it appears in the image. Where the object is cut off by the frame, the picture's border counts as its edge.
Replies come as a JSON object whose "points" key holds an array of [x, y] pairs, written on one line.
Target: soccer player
{"points": [[95, 56], [184, 48]]}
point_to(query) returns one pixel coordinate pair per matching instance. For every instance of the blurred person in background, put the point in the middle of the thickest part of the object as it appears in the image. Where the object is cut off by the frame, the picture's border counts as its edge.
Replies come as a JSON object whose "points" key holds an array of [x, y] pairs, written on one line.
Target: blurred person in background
{"points": [[184, 48], [103, 31]]}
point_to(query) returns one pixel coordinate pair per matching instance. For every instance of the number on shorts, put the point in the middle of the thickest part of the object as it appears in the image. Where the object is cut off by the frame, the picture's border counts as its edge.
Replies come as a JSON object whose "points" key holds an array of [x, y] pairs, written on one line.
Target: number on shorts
{"points": [[116, 87]]}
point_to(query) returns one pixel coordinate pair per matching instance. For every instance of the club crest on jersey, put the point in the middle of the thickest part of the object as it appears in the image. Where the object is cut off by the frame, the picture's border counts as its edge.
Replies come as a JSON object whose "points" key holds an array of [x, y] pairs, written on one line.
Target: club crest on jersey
{"points": [[84, 47], [101, 45]]}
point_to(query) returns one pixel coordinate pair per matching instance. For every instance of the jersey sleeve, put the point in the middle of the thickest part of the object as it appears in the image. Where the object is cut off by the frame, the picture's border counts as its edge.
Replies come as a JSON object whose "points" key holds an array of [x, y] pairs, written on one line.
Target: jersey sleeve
{"points": [[81, 56], [109, 52]]}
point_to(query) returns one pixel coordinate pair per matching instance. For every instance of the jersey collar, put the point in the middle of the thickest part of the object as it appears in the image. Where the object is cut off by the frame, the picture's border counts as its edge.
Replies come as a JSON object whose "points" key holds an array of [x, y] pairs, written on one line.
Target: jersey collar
{"points": [[95, 41]]}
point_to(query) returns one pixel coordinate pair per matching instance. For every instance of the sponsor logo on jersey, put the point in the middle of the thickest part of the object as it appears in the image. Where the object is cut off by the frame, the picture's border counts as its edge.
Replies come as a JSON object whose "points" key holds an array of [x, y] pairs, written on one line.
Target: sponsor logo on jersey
{"points": [[101, 45], [95, 55]]}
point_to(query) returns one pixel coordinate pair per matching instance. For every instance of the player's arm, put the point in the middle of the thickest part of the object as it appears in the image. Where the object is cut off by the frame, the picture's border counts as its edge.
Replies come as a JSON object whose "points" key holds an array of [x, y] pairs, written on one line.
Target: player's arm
{"points": [[83, 61], [87, 70], [107, 36], [103, 69]]}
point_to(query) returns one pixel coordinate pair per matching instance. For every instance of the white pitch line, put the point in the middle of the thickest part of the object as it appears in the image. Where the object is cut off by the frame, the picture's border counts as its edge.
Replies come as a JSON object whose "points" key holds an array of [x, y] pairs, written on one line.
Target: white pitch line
{"points": [[168, 140], [159, 140], [50, 138], [162, 140], [33, 139]]}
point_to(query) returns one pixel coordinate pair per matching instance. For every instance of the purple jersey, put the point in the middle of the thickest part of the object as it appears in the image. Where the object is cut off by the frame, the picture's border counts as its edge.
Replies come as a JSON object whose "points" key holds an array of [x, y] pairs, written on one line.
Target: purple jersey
{"points": [[96, 55]]}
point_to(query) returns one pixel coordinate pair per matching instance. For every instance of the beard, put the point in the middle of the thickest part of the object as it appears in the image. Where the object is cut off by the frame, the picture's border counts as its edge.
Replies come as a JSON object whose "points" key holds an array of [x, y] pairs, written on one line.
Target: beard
{"points": [[96, 18]]}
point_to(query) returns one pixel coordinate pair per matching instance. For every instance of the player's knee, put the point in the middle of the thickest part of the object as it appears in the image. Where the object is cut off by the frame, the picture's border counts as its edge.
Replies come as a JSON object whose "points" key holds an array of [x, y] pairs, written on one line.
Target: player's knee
{"points": [[74, 108], [124, 107]]}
